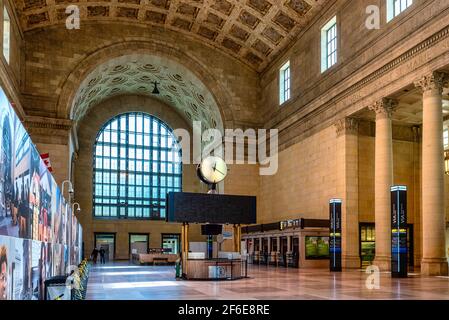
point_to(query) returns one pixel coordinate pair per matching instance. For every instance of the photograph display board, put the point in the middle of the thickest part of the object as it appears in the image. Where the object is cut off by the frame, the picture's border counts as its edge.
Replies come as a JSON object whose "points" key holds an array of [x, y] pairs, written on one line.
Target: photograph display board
{"points": [[317, 248], [33, 215]]}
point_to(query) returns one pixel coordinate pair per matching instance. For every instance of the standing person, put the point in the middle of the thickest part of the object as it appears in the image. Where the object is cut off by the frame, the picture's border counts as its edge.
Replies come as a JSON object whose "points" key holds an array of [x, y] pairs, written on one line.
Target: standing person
{"points": [[94, 255], [102, 256]]}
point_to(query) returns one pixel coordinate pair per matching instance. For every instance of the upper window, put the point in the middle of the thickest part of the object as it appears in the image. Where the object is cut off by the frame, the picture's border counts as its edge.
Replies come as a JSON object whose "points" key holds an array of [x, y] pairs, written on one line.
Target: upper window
{"points": [[6, 34], [329, 44], [396, 7], [137, 161], [284, 83]]}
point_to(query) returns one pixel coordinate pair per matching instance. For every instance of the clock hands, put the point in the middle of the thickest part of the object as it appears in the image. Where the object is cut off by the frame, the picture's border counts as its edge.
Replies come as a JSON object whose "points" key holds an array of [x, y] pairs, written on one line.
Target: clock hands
{"points": [[215, 168]]}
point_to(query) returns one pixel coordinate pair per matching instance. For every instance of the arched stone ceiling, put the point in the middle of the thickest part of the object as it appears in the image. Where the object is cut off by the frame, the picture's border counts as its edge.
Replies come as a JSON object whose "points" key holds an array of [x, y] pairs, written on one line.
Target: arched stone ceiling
{"points": [[135, 74], [254, 31]]}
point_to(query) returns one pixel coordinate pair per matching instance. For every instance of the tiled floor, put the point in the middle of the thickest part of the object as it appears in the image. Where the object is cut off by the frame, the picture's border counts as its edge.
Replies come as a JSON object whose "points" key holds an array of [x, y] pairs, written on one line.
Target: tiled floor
{"points": [[123, 281]]}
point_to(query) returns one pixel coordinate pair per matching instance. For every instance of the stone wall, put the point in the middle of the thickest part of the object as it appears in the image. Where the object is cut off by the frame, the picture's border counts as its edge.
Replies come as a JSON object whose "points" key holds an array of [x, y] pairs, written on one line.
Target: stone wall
{"points": [[304, 182], [371, 64]]}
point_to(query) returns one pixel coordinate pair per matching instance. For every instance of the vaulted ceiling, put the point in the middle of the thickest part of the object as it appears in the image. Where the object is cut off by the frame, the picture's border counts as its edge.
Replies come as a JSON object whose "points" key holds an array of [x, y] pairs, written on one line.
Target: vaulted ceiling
{"points": [[254, 31]]}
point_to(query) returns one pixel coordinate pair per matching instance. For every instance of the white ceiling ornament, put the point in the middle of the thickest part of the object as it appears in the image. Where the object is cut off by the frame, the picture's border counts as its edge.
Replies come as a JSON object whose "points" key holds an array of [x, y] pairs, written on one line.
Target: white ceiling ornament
{"points": [[135, 74]]}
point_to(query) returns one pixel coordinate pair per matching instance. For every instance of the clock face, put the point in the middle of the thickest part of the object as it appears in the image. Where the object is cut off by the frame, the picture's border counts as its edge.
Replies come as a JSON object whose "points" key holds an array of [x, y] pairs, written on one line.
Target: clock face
{"points": [[213, 169]]}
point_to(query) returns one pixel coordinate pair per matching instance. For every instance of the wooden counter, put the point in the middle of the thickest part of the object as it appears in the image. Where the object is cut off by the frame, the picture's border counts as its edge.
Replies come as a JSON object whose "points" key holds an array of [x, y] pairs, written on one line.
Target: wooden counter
{"points": [[198, 269]]}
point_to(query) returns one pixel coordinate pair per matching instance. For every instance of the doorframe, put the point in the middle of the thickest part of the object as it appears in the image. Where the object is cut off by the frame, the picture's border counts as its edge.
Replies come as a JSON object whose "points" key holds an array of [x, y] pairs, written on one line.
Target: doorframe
{"points": [[106, 233], [137, 234], [171, 234]]}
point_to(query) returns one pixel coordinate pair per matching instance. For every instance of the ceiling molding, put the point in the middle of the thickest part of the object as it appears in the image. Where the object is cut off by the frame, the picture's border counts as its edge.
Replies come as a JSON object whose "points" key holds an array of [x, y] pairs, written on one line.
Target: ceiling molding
{"points": [[253, 31]]}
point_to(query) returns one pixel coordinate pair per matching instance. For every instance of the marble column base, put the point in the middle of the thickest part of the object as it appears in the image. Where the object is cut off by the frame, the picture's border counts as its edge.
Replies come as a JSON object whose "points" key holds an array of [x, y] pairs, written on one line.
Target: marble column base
{"points": [[350, 262], [384, 263], [434, 267]]}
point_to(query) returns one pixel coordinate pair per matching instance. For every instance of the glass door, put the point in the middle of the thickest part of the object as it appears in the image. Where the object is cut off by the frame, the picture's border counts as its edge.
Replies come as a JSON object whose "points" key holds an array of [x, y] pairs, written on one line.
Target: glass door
{"points": [[107, 242], [367, 243], [138, 243]]}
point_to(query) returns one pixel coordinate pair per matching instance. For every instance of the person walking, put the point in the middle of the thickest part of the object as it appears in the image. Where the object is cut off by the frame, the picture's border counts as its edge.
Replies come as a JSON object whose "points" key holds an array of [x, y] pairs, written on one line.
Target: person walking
{"points": [[102, 256]]}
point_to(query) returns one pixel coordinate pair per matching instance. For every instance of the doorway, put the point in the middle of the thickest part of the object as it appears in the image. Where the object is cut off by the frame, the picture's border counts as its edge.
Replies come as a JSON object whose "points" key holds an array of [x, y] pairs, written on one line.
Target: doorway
{"points": [[171, 243], [138, 243], [107, 242], [368, 244]]}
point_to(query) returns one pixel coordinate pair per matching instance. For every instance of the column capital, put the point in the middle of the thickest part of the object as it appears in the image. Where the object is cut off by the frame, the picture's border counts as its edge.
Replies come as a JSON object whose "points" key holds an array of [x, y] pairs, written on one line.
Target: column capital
{"points": [[346, 125], [384, 108], [433, 81]]}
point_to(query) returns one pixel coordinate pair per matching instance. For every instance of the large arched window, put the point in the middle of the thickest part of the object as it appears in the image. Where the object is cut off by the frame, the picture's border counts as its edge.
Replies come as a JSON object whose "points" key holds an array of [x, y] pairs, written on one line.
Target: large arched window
{"points": [[137, 160]]}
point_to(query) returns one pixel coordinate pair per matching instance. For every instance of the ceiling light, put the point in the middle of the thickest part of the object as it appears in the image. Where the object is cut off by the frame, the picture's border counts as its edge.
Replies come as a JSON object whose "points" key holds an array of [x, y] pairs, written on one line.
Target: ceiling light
{"points": [[155, 89]]}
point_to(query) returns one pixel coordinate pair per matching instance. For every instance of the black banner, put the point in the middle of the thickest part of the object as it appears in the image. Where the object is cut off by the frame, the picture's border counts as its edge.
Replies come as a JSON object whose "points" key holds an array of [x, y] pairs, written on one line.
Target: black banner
{"points": [[210, 208], [399, 231], [335, 234]]}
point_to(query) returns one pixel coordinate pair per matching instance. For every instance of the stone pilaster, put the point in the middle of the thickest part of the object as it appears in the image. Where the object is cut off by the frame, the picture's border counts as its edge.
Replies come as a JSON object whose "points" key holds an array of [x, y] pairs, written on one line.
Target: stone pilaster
{"points": [[383, 180], [434, 261], [347, 188]]}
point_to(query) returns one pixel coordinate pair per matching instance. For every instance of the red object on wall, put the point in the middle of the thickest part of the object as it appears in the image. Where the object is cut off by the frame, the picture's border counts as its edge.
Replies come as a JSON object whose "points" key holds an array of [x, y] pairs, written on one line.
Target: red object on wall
{"points": [[46, 158]]}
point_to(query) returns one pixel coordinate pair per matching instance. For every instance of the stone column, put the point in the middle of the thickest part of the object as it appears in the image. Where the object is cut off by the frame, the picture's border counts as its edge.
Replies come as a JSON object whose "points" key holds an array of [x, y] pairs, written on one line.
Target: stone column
{"points": [[269, 244], [289, 243], [347, 189], [434, 261], [383, 181], [278, 244]]}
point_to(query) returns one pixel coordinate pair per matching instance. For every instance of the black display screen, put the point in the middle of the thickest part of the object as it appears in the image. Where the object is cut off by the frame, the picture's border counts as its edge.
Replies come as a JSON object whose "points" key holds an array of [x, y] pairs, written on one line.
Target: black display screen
{"points": [[210, 208], [335, 234], [211, 229], [399, 252]]}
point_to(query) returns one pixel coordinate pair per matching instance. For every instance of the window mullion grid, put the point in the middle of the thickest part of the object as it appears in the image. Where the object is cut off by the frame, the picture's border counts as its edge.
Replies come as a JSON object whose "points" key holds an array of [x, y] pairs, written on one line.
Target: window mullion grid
{"points": [[159, 166], [150, 167], [127, 146]]}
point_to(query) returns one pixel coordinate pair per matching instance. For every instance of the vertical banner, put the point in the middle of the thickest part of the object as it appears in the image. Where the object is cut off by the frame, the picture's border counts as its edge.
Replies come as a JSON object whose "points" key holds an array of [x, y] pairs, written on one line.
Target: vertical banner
{"points": [[335, 234], [399, 231]]}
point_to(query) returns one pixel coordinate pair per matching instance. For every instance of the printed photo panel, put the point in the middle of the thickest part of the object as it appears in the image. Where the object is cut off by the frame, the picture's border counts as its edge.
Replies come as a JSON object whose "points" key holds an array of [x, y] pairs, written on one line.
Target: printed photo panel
{"points": [[46, 184], [5, 268], [23, 289], [9, 219], [22, 180]]}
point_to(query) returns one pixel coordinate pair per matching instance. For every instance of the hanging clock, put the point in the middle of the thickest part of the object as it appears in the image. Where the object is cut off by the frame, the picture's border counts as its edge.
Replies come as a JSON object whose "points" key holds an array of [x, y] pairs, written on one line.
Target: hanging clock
{"points": [[212, 170]]}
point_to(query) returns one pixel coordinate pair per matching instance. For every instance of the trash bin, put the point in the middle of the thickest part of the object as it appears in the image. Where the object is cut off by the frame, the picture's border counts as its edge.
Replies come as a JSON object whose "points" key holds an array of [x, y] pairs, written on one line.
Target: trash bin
{"points": [[178, 268], [56, 289]]}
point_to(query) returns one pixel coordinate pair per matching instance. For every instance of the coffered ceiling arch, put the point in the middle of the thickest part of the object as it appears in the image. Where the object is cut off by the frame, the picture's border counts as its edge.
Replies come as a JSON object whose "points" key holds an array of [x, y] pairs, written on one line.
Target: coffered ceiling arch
{"points": [[134, 75], [253, 31]]}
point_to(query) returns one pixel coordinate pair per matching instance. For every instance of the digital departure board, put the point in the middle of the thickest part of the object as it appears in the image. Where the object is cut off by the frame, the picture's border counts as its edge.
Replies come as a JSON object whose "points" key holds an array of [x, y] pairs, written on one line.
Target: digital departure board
{"points": [[399, 231], [335, 234], [210, 208]]}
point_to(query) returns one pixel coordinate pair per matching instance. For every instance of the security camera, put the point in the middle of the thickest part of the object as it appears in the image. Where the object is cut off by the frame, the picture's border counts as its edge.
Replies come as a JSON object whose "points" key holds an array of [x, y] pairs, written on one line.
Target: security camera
{"points": [[71, 192], [79, 209]]}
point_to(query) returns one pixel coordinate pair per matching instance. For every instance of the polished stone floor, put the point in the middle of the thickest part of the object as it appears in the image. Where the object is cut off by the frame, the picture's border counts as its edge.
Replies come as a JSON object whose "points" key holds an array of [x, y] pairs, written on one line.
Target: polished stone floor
{"points": [[124, 281]]}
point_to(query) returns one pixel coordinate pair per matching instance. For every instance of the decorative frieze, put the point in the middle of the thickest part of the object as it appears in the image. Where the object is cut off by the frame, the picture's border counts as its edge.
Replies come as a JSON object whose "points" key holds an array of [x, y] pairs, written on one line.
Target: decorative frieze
{"points": [[433, 81], [384, 108], [346, 125]]}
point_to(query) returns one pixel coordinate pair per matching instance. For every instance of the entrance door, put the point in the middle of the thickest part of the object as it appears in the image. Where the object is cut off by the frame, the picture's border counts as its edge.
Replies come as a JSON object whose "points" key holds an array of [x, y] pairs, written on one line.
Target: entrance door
{"points": [[171, 243], [107, 242], [368, 244], [295, 251], [274, 244], [138, 243]]}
